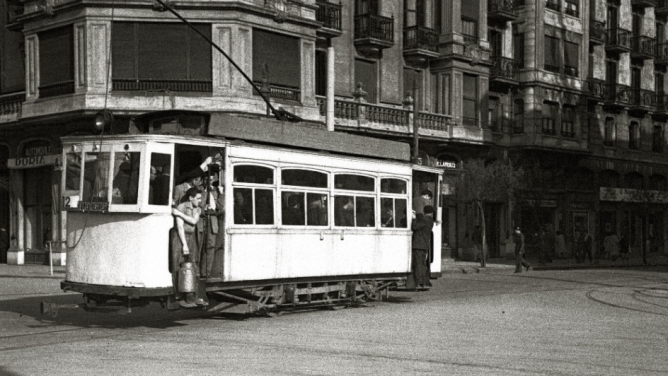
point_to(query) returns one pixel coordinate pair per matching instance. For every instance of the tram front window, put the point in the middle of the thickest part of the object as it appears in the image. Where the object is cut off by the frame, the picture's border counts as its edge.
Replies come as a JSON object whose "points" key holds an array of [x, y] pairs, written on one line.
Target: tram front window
{"points": [[126, 178], [96, 176]]}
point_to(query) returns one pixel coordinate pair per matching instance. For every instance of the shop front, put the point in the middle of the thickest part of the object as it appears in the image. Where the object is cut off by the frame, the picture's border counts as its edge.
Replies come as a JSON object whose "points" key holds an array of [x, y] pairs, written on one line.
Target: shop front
{"points": [[35, 220], [4, 204]]}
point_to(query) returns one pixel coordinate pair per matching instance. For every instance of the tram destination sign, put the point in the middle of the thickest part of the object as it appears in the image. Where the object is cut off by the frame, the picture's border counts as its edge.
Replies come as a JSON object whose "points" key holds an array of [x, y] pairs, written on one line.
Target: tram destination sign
{"points": [[98, 207]]}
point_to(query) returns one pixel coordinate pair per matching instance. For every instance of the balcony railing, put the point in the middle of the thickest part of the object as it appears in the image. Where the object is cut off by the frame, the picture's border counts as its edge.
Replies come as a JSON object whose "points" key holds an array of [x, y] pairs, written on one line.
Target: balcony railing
{"points": [[329, 14], [422, 38], [281, 92], [642, 47], [661, 8], [661, 54], [595, 89], [618, 40], [156, 85], [504, 68], [617, 94], [644, 99], [370, 26], [11, 104], [597, 32], [502, 10]]}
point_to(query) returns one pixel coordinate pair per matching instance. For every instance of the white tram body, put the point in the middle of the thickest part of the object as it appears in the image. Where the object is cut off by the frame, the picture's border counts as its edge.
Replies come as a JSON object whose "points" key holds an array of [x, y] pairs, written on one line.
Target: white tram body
{"points": [[118, 231]]}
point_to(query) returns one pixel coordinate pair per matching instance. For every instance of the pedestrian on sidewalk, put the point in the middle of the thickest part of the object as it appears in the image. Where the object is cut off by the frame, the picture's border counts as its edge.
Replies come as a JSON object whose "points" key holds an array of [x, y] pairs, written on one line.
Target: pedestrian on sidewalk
{"points": [[624, 247], [518, 238], [588, 249], [560, 245], [611, 244]]}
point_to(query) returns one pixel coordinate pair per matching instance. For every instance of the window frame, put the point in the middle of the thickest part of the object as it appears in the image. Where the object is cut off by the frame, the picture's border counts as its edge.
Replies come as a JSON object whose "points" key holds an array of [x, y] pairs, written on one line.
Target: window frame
{"points": [[338, 192], [254, 187], [306, 190], [394, 197], [634, 135], [467, 120], [549, 120]]}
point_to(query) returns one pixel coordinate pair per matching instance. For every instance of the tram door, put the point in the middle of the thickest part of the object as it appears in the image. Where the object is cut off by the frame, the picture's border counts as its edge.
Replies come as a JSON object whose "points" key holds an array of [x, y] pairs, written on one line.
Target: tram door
{"points": [[428, 180]]}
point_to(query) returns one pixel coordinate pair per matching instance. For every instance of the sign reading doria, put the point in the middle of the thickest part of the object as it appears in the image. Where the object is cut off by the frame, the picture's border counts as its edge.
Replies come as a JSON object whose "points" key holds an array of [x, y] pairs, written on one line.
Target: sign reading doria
{"points": [[34, 156]]}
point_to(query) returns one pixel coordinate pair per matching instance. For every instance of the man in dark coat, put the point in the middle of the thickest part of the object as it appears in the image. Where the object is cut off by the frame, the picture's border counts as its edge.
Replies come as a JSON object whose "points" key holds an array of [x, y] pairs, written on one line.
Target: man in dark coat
{"points": [[422, 225], [518, 237]]}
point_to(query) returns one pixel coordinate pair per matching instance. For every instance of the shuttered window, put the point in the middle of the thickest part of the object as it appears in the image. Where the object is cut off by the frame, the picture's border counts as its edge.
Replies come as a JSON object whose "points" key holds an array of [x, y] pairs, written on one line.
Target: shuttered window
{"points": [[56, 62], [571, 58], [552, 62], [160, 56], [366, 73], [281, 55]]}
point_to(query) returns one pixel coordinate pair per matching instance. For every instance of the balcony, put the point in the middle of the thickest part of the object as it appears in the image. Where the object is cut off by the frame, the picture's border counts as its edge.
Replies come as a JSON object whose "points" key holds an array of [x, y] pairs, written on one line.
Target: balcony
{"points": [[504, 73], [616, 95], [618, 40], [502, 10], [330, 16], [595, 89], [597, 32], [280, 92], [661, 104], [642, 48], [644, 3], [373, 33], [642, 100], [661, 54], [661, 8], [172, 85], [420, 44], [11, 105]]}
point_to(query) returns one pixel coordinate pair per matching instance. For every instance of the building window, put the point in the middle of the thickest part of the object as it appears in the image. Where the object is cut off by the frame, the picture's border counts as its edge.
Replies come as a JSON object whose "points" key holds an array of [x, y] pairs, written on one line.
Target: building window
{"points": [[363, 7], [518, 116], [572, 8], [552, 60], [161, 56], [470, 30], [571, 58], [470, 103], [550, 110], [320, 72], [634, 136], [568, 121], [279, 58], [366, 72], [56, 62], [553, 4], [493, 109], [657, 138], [609, 132], [413, 84], [518, 49]]}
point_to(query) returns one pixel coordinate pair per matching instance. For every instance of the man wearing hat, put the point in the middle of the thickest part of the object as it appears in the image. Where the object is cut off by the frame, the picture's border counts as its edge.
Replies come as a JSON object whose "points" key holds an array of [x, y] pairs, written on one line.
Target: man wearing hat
{"points": [[422, 225], [518, 237]]}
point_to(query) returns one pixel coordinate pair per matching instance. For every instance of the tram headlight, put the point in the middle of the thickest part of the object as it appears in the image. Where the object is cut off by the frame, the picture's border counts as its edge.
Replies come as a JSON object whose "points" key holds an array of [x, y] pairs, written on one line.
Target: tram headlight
{"points": [[103, 120]]}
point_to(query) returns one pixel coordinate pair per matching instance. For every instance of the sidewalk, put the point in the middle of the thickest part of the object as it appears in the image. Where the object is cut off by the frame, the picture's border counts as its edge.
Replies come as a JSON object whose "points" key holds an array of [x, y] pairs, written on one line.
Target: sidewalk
{"points": [[30, 280], [503, 264]]}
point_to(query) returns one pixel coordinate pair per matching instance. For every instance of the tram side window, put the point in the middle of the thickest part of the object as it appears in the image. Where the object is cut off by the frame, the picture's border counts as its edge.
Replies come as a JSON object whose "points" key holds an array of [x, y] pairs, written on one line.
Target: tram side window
{"points": [[354, 182], [351, 211], [96, 172], [393, 211], [73, 172], [160, 181], [253, 206], [304, 208], [126, 178], [253, 174]]}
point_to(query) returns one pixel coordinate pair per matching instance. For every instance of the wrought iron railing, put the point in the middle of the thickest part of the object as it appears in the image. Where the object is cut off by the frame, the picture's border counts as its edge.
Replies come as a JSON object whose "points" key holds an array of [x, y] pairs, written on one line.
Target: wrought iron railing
{"points": [[419, 37], [57, 88], [619, 38], [11, 104], [504, 67], [505, 6], [661, 52], [617, 93], [643, 45], [643, 98], [151, 85], [329, 14], [374, 26], [595, 88]]}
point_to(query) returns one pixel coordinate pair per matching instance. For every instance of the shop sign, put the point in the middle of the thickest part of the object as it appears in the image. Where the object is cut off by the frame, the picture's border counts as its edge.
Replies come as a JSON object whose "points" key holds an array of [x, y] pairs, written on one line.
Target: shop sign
{"points": [[633, 195], [542, 203], [34, 161], [446, 162]]}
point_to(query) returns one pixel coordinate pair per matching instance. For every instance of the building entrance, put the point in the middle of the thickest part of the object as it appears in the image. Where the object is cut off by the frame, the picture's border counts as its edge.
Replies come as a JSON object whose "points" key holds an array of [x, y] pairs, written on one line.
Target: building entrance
{"points": [[38, 203]]}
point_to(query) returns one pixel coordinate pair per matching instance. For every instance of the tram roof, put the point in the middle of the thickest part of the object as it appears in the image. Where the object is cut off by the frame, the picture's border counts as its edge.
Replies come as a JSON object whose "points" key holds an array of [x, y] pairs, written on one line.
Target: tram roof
{"points": [[271, 131]]}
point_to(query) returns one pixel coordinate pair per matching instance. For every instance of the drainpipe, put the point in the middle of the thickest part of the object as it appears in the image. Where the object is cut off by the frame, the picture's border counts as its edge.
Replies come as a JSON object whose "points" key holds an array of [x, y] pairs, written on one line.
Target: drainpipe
{"points": [[330, 87]]}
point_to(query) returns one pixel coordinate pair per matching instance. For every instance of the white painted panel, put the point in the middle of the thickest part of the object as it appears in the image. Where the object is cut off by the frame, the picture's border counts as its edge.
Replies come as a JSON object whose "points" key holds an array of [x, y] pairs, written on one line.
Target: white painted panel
{"points": [[119, 249]]}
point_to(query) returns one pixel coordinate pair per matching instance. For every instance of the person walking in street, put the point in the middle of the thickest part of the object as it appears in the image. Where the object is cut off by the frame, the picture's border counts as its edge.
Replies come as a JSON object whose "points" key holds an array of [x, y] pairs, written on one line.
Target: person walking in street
{"points": [[588, 242], [611, 245], [518, 238], [560, 245]]}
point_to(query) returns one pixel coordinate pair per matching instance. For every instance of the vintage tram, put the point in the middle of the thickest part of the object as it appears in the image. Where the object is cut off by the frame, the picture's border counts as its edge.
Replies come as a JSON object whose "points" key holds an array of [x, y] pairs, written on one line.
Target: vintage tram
{"points": [[327, 215]]}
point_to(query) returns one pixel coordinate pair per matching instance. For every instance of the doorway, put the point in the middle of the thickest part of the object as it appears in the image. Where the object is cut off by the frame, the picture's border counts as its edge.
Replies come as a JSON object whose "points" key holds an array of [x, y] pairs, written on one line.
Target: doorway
{"points": [[38, 202]]}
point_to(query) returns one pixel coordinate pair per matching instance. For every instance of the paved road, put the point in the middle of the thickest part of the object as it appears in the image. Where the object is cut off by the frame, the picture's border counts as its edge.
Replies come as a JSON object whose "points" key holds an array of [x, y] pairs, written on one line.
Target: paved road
{"points": [[577, 322]]}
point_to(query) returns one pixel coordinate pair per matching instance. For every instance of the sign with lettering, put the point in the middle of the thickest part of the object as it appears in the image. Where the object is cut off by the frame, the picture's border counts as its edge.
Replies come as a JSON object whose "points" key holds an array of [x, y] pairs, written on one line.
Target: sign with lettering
{"points": [[446, 162], [99, 207], [34, 161]]}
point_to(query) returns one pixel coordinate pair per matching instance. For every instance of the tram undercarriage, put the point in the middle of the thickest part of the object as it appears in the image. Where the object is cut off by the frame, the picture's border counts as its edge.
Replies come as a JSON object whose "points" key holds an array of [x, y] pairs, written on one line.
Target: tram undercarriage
{"points": [[268, 300]]}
